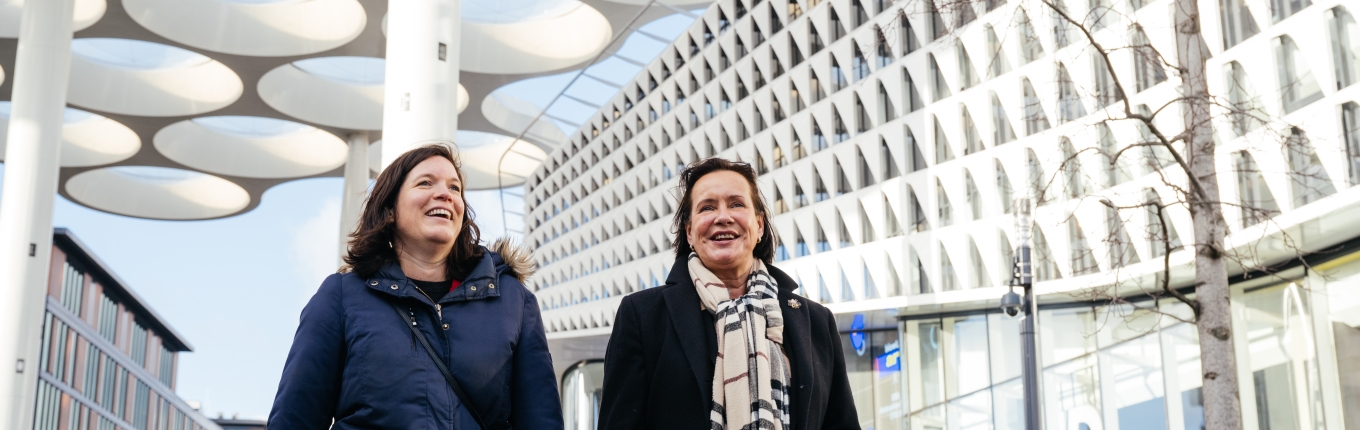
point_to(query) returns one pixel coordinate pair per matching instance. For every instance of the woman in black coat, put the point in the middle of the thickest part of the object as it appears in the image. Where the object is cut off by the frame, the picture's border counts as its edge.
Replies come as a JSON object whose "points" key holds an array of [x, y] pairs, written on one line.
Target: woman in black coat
{"points": [[781, 364]]}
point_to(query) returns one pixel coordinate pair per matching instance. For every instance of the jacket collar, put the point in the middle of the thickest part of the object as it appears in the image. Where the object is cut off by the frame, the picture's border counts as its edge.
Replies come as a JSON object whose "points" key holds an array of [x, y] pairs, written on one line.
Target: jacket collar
{"points": [[682, 302], [479, 284]]}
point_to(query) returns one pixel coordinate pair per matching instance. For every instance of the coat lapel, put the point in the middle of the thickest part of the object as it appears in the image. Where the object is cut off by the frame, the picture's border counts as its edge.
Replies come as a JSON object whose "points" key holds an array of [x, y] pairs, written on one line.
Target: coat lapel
{"points": [[797, 324], [682, 302]]}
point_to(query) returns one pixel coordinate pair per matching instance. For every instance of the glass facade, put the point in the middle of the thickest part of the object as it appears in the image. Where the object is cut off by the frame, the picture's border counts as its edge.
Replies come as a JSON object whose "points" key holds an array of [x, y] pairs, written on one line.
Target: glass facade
{"points": [[1131, 366]]}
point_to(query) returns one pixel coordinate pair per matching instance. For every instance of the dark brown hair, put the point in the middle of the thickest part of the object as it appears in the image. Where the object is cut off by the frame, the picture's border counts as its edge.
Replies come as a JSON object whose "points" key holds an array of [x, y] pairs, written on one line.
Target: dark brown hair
{"points": [[371, 246], [765, 248]]}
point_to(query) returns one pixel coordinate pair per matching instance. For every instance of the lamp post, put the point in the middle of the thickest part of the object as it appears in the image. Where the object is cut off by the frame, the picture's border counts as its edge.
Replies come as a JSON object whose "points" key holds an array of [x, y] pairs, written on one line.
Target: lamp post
{"points": [[1012, 304]]}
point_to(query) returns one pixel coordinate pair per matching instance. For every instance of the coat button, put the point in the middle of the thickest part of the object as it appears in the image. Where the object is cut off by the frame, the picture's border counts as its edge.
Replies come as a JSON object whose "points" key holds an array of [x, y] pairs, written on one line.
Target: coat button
{"points": [[373, 282], [474, 288], [446, 326], [492, 285], [394, 286]]}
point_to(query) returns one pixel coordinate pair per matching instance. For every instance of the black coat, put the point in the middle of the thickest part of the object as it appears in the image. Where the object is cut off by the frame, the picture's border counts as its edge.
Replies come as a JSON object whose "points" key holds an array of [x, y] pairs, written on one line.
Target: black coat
{"points": [[658, 368]]}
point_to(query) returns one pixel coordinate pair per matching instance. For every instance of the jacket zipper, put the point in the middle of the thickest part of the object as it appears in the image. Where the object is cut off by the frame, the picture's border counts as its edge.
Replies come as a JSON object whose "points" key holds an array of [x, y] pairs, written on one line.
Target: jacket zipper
{"points": [[439, 310]]}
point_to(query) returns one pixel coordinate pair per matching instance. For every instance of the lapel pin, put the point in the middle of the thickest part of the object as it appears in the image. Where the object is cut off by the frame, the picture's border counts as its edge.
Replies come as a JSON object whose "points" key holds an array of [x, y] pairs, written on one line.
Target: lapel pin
{"points": [[794, 303]]}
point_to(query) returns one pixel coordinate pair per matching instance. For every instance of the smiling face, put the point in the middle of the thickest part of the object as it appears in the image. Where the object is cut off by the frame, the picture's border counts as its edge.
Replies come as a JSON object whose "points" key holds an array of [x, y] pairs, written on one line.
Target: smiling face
{"points": [[429, 207], [724, 227]]}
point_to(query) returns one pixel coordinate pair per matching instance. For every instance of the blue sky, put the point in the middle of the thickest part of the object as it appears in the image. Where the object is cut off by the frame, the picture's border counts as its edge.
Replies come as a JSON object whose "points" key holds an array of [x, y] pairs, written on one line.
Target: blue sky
{"points": [[234, 287]]}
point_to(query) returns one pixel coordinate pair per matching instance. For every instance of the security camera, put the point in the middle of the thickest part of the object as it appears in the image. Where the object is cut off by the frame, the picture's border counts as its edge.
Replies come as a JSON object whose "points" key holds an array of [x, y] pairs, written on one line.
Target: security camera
{"points": [[1011, 303]]}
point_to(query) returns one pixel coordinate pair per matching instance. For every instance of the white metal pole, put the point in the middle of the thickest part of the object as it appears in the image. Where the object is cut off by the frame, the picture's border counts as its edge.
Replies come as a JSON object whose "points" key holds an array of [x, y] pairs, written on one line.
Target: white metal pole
{"points": [[420, 99], [32, 164], [356, 186]]}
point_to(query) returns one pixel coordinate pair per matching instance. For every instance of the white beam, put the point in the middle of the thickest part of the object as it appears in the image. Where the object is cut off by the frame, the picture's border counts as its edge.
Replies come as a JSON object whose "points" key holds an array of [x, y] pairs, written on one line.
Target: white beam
{"points": [[32, 164], [356, 188], [421, 90]]}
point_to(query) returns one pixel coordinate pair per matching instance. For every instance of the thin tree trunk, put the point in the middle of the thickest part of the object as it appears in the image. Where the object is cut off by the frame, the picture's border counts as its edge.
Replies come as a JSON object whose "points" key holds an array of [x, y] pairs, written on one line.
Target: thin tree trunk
{"points": [[1222, 406]]}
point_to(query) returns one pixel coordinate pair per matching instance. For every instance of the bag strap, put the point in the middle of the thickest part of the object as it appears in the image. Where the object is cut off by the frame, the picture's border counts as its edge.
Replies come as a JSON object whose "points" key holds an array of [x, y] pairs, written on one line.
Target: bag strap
{"points": [[439, 363]]}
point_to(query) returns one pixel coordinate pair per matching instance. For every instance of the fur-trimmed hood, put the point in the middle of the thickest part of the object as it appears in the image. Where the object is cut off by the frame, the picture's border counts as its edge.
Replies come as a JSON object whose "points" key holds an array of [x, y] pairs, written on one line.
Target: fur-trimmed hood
{"points": [[517, 257]]}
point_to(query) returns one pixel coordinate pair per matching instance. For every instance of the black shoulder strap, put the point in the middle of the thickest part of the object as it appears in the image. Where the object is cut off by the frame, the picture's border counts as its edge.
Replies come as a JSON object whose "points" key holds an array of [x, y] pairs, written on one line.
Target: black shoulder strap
{"points": [[439, 363]]}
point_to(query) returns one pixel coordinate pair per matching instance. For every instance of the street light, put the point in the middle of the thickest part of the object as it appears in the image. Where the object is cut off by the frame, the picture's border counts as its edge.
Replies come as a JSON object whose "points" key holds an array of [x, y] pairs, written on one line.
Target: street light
{"points": [[1012, 304]]}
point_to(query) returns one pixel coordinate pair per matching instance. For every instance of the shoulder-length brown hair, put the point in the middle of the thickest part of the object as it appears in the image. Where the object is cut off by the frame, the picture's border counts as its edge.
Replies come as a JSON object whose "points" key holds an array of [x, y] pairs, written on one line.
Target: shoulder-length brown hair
{"points": [[371, 246], [764, 249]]}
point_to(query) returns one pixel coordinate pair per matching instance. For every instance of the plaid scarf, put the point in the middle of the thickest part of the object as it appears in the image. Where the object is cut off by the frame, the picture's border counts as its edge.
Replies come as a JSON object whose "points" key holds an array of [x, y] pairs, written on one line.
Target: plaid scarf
{"points": [[750, 382]]}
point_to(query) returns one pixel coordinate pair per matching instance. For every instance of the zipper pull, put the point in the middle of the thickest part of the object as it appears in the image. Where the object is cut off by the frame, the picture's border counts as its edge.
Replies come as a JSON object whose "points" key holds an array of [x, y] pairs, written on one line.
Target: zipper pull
{"points": [[439, 310]]}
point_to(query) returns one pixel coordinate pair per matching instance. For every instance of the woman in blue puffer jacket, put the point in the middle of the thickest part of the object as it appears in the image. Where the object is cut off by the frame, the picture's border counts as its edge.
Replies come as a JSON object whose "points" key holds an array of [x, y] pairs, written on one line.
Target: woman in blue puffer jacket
{"points": [[414, 261]]}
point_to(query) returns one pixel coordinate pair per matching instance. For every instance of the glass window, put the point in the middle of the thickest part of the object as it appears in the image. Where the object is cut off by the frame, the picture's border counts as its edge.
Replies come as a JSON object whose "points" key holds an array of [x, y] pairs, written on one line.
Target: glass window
{"points": [[968, 77], [859, 369], [1283, 359], [1069, 100], [1147, 64], [1350, 126], [1030, 46], [1345, 37], [1001, 126], [972, 139], [889, 406], [1071, 393], [1343, 303], [1131, 370], [1067, 334], [1238, 23], [940, 87], [1281, 9], [997, 64], [973, 195], [1298, 87], [1258, 204], [946, 210], [942, 151], [1035, 119], [1308, 180], [970, 412]]}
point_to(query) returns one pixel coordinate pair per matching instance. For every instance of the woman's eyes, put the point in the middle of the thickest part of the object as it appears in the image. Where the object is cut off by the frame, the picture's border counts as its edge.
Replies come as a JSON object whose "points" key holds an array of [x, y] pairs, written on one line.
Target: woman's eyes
{"points": [[427, 183]]}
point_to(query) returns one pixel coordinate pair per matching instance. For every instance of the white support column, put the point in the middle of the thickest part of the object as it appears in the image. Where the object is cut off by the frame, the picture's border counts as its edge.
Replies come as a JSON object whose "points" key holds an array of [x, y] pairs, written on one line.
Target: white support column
{"points": [[356, 187], [32, 164], [420, 101]]}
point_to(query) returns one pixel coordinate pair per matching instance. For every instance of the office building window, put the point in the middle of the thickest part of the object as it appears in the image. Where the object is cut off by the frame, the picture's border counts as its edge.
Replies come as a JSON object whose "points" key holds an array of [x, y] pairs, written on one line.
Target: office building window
{"points": [[1074, 182], [1281, 9], [972, 139], [1031, 48], [997, 64], [942, 151], [1298, 87], [1003, 187], [949, 281], [978, 275], [1308, 180], [72, 288], [973, 195], [968, 77], [1258, 203], [1350, 129], [1001, 126], [945, 210], [1069, 100], [1345, 35], [939, 86], [1035, 119], [859, 64], [1147, 63], [893, 228], [919, 223]]}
